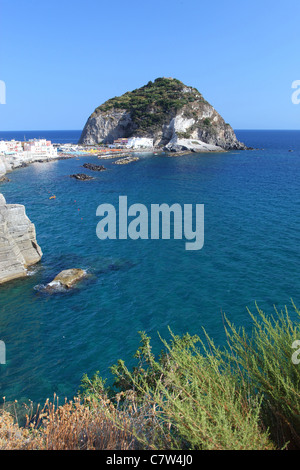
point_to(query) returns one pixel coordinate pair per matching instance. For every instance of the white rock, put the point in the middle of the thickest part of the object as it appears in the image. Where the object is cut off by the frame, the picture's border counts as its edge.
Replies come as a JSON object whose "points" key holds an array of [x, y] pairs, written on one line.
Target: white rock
{"points": [[18, 246]]}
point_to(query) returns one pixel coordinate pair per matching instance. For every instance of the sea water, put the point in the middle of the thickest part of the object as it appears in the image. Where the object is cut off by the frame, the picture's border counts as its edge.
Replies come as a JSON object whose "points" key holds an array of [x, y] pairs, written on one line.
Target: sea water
{"points": [[250, 254]]}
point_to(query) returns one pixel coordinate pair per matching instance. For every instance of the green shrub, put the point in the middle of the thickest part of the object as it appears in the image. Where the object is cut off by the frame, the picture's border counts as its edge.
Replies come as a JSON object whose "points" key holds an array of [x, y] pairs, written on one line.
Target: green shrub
{"points": [[149, 104], [242, 396], [206, 122], [264, 361], [196, 395]]}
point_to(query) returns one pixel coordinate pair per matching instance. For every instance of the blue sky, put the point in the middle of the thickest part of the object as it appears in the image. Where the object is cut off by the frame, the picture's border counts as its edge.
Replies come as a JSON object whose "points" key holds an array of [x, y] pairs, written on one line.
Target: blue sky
{"points": [[61, 59]]}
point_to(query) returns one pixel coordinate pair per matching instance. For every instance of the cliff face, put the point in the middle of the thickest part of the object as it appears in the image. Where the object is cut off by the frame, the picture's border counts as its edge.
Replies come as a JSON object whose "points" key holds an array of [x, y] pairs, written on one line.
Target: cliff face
{"points": [[18, 245], [174, 115], [4, 166]]}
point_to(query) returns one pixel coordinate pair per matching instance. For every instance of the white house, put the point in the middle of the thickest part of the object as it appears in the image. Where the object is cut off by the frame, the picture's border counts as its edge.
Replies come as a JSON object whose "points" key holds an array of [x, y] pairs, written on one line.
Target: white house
{"points": [[139, 142], [17, 153], [11, 146], [40, 147]]}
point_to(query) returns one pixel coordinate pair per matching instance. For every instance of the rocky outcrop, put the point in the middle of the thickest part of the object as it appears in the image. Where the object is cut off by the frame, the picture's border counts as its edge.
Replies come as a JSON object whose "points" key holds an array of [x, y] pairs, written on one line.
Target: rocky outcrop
{"points": [[175, 116], [82, 177], [177, 144], [126, 160], [4, 167], [66, 279], [93, 167], [23, 159], [18, 246], [106, 127]]}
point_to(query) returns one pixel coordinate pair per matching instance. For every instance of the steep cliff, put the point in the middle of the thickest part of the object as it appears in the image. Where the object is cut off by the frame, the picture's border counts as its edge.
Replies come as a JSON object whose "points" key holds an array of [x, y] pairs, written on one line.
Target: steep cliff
{"points": [[4, 166], [174, 115], [18, 245]]}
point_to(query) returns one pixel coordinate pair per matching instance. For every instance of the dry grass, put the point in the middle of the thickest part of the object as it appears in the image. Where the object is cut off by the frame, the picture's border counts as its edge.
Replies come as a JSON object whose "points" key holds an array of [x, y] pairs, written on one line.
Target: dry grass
{"points": [[81, 425], [72, 426]]}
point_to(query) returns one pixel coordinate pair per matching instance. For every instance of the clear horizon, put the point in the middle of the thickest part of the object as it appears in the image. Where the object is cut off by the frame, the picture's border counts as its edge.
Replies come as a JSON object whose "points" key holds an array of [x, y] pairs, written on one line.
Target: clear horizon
{"points": [[60, 61]]}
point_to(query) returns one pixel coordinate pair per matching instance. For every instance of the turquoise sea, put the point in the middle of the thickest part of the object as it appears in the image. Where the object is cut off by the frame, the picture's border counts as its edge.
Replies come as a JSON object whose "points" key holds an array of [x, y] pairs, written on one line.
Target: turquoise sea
{"points": [[250, 254]]}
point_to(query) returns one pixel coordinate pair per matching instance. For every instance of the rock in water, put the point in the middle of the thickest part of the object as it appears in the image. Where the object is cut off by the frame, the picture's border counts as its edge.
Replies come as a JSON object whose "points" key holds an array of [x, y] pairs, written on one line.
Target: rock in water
{"points": [[175, 116], [82, 177], [91, 166], [124, 161], [18, 246], [67, 278]]}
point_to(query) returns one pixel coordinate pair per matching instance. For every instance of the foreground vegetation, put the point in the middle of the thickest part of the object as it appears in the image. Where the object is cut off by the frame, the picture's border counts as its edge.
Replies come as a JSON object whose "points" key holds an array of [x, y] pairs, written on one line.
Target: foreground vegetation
{"points": [[195, 396]]}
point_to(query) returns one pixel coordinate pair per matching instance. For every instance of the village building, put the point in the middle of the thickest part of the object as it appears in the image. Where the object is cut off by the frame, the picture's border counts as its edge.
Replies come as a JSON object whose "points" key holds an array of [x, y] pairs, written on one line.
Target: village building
{"points": [[139, 142]]}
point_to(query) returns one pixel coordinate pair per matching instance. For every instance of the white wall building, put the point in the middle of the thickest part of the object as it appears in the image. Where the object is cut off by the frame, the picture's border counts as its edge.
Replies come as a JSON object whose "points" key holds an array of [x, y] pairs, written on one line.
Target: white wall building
{"points": [[139, 142], [16, 153], [10, 146], [40, 147]]}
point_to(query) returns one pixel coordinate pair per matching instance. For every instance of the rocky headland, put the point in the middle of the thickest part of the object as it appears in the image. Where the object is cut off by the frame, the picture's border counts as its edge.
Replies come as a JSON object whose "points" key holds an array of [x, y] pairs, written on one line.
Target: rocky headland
{"points": [[18, 245], [175, 116]]}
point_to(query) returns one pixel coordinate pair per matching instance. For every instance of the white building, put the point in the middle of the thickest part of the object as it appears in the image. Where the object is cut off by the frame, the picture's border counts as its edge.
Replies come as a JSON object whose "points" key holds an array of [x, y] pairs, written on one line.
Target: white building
{"points": [[139, 142], [40, 147], [16, 153], [10, 147]]}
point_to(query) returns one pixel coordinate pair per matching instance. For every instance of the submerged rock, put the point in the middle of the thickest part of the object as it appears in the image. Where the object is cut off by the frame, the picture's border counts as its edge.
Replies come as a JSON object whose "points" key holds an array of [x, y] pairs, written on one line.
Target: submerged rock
{"points": [[18, 246], [91, 166], [67, 278], [82, 177], [124, 161]]}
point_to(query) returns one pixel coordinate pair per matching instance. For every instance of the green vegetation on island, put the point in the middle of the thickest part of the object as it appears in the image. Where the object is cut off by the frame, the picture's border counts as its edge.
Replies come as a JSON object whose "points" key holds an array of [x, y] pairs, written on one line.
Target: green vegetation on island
{"points": [[194, 395], [149, 104]]}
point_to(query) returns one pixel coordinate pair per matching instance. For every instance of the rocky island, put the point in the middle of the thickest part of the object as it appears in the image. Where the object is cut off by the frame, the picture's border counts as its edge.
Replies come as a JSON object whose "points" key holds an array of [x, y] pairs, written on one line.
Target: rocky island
{"points": [[174, 116], [18, 246]]}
